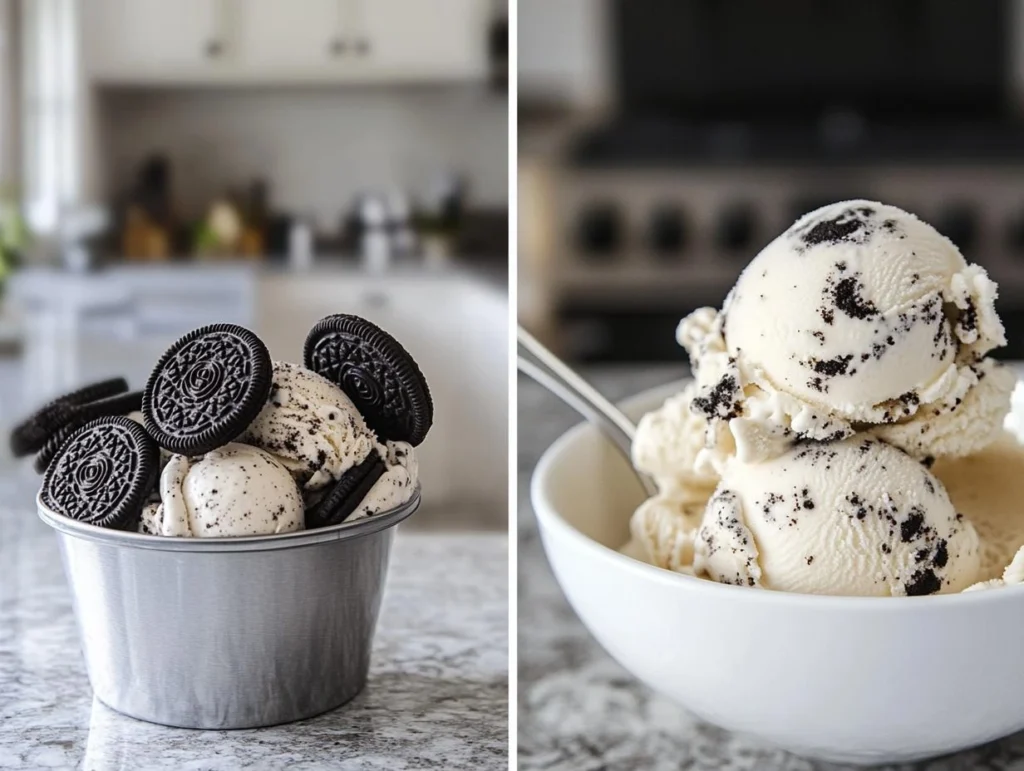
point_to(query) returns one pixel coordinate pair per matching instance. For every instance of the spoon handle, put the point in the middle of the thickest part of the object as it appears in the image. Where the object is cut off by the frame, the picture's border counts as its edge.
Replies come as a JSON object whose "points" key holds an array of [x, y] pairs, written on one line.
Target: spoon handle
{"points": [[561, 381]]}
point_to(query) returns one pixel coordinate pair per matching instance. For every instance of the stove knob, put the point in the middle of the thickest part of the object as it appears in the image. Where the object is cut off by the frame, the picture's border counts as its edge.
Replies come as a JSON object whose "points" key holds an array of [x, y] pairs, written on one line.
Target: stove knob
{"points": [[599, 229], [959, 224], [736, 227], [666, 230]]}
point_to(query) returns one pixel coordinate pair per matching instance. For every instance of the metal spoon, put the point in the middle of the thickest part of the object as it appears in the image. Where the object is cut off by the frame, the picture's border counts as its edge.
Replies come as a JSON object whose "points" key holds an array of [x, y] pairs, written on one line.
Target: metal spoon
{"points": [[568, 386]]}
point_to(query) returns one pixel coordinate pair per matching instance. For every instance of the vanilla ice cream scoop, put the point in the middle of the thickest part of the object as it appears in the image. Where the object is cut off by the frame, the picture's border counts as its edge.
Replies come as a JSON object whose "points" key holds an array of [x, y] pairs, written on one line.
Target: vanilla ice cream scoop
{"points": [[311, 426], [235, 490], [860, 314], [852, 517]]}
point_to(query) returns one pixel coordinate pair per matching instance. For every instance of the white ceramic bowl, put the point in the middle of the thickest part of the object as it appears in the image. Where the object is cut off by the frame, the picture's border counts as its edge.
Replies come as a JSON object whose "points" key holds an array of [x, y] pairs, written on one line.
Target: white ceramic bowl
{"points": [[857, 680]]}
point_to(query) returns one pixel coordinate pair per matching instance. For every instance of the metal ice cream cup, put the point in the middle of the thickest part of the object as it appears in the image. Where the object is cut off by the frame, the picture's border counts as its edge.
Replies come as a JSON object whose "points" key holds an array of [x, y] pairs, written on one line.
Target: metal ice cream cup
{"points": [[227, 632]]}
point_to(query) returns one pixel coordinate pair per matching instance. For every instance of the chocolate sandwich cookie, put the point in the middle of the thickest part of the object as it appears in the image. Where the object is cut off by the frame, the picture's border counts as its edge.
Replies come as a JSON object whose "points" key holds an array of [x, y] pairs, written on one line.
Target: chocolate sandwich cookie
{"points": [[49, 450], [207, 388], [102, 474], [33, 432], [72, 417], [346, 495], [376, 373]]}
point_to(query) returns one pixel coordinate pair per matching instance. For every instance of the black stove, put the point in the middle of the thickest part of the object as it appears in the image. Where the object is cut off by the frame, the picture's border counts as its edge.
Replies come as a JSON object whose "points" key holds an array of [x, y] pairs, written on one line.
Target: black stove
{"points": [[736, 116], [837, 140]]}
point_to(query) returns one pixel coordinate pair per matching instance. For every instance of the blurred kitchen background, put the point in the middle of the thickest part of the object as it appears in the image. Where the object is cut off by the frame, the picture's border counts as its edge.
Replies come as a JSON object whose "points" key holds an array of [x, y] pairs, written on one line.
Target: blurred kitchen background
{"points": [[663, 143], [165, 165]]}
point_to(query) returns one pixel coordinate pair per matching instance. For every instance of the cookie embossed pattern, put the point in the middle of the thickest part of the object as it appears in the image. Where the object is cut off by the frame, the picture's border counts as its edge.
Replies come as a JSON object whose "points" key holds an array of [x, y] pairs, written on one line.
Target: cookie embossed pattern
{"points": [[241, 486]]}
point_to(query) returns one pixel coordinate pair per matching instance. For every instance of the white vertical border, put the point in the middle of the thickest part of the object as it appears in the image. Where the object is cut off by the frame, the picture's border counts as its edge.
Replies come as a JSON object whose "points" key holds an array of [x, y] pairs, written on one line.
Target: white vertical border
{"points": [[513, 374]]}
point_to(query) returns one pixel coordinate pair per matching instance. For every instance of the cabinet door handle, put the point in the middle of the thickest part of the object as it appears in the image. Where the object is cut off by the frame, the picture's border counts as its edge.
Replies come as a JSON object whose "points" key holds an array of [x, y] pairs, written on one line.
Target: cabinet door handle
{"points": [[214, 49], [337, 47], [362, 46]]}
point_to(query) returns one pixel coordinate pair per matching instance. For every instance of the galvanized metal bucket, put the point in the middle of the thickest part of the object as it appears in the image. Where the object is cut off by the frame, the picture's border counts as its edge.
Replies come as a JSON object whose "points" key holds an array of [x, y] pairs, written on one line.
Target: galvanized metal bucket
{"points": [[227, 632]]}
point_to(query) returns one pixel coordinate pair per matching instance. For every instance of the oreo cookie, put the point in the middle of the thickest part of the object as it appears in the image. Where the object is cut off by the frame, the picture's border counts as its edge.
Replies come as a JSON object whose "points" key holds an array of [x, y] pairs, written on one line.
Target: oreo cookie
{"points": [[121, 404], [32, 433], [73, 417], [376, 372], [346, 495], [207, 388], [102, 474], [49, 450]]}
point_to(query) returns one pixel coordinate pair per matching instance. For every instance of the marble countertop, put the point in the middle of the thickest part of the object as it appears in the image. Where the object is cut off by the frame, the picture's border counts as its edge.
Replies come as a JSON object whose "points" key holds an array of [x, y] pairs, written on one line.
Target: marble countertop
{"points": [[437, 695], [578, 709]]}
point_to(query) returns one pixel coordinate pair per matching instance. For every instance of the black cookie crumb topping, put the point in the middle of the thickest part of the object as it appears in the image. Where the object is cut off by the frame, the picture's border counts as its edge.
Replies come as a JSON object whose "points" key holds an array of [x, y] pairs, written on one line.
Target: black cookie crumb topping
{"points": [[923, 582], [910, 528], [832, 367], [968, 318], [852, 225], [817, 453], [847, 296], [722, 401], [841, 228]]}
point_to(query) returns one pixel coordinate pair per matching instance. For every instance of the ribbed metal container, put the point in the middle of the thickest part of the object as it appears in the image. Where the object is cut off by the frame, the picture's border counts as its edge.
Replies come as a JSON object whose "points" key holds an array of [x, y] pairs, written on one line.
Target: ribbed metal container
{"points": [[227, 632]]}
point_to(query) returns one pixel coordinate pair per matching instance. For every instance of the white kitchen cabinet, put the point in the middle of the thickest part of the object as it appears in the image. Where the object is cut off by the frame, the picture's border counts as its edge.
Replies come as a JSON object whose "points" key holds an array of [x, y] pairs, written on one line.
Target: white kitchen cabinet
{"points": [[145, 39], [444, 37], [282, 36], [259, 42]]}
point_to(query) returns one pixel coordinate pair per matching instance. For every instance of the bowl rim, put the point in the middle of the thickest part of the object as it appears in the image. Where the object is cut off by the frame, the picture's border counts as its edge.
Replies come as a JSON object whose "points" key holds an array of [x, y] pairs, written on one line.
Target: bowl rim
{"points": [[245, 543], [548, 518]]}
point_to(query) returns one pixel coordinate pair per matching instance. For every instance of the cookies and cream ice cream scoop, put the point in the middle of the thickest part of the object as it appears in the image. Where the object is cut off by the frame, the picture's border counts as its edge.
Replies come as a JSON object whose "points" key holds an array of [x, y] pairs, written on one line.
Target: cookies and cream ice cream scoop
{"points": [[859, 315], [850, 517], [234, 490], [311, 426]]}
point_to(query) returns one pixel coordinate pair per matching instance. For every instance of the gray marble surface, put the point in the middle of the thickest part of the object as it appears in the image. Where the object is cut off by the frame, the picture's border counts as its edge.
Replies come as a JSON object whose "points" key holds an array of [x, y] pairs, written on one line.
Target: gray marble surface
{"points": [[437, 695], [578, 709]]}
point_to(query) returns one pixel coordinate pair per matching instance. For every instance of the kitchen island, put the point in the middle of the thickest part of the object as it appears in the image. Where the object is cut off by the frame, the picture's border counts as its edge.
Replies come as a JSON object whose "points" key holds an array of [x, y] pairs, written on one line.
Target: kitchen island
{"points": [[578, 709], [437, 695]]}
